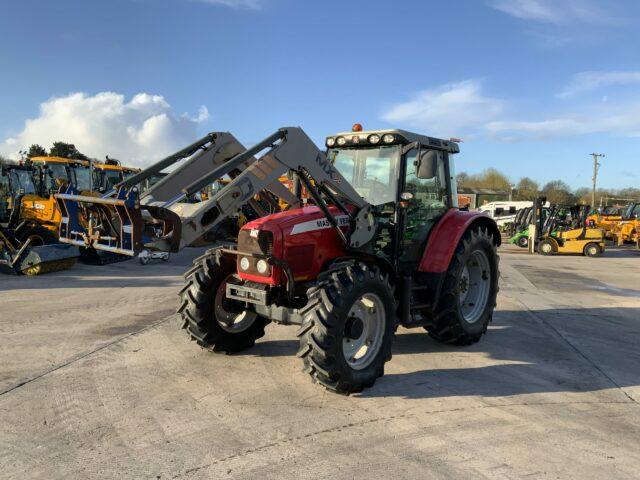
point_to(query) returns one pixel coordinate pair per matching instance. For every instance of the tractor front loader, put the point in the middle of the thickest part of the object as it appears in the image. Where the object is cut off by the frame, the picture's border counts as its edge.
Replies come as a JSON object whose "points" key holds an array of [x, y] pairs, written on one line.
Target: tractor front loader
{"points": [[126, 221], [380, 243]]}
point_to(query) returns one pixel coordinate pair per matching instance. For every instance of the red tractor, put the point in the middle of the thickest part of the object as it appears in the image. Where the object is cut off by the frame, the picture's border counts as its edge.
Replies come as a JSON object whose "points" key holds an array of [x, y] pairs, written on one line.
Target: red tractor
{"points": [[351, 268], [377, 241]]}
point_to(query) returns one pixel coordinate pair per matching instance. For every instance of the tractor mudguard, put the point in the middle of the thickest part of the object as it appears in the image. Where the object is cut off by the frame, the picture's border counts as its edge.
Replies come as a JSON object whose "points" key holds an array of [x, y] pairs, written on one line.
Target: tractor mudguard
{"points": [[446, 234]]}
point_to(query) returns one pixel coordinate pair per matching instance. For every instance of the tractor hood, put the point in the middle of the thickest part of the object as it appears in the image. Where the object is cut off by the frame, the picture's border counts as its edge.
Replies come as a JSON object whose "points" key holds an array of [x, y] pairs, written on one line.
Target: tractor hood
{"points": [[301, 237]]}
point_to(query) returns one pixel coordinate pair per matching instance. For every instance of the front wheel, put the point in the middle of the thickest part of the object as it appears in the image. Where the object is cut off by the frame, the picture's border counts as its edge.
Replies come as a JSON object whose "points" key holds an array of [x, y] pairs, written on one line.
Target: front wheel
{"points": [[592, 250], [348, 328], [214, 321], [469, 291], [546, 247]]}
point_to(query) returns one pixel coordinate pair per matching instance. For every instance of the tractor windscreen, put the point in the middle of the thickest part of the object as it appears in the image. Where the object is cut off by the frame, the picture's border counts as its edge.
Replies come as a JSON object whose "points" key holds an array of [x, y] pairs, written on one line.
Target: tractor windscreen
{"points": [[56, 176], [112, 178], [22, 180], [371, 171], [83, 178]]}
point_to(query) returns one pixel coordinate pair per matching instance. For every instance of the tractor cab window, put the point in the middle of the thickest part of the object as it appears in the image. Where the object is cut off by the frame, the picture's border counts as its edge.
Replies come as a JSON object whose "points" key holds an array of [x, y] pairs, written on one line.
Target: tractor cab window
{"points": [[22, 182], [5, 198], [111, 177], [371, 171], [428, 203], [633, 212], [56, 175], [83, 178]]}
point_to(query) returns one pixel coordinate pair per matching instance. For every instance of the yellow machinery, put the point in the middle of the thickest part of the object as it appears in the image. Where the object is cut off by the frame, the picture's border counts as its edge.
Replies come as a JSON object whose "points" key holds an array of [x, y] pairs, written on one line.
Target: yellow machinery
{"points": [[38, 208], [628, 230], [581, 241], [565, 231], [26, 247], [107, 174], [607, 219]]}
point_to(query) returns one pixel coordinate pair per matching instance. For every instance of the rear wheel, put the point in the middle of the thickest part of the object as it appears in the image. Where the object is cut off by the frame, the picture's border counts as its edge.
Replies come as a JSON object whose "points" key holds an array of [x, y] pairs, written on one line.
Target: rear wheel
{"points": [[348, 328], [469, 291], [592, 250], [214, 321]]}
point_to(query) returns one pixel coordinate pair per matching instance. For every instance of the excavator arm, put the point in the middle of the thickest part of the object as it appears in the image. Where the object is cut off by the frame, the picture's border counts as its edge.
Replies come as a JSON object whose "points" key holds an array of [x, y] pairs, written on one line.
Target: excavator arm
{"points": [[214, 157]]}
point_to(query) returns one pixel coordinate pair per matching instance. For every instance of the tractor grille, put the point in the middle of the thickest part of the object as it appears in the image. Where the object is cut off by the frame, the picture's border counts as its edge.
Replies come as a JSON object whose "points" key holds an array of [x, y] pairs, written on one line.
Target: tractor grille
{"points": [[263, 245]]}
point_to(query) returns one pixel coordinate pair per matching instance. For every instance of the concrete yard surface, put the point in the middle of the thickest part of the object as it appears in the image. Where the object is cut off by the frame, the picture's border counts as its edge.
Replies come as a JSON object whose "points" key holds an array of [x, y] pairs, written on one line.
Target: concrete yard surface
{"points": [[97, 380]]}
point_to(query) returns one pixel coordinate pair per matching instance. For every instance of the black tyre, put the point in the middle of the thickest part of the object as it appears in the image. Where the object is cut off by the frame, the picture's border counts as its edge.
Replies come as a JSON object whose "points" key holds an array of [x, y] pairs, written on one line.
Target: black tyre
{"points": [[523, 242], [468, 295], [546, 247], [348, 328], [38, 235], [211, 319], [592, 250]]}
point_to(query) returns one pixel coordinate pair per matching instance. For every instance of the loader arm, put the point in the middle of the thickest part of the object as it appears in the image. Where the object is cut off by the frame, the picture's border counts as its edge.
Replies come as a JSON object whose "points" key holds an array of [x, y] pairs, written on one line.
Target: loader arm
{"points": [[288, 149], [213, 157], [125, 206]]}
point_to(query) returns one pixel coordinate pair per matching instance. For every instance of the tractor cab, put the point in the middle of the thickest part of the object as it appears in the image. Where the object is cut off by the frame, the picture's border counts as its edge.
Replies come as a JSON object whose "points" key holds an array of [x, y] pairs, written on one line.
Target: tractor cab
{"points": [[16, 181], [110, 173], [631, 212], [406, 177], [56, 172]]}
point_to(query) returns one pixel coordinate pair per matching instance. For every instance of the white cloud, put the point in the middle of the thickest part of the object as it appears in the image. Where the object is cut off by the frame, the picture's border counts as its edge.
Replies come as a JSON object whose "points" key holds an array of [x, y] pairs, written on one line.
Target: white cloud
{"points": [[555, 11], [449, 110], [463, 110], [139, 131], [588, 81], [621, 119], [246, 4]]}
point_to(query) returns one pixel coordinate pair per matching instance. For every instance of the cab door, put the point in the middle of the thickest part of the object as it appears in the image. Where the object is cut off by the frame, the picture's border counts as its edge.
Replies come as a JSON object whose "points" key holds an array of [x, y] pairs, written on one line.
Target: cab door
{"points": [[425, 201]]}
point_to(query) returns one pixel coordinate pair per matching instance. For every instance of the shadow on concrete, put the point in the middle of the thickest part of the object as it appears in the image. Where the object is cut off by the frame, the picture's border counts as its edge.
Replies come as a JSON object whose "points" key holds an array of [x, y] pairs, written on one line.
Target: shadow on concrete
{"points": [[561, 350], [130, 274]]}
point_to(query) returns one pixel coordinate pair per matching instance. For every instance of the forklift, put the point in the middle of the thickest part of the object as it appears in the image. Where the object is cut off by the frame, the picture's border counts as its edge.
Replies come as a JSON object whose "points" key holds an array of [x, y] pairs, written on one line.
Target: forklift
{"points": [[565, 231]]}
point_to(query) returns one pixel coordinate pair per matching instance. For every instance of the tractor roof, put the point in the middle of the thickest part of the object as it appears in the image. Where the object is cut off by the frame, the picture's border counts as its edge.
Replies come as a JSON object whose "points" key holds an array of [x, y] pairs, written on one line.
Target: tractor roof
{"points": [[70, 161], [361, 138]]}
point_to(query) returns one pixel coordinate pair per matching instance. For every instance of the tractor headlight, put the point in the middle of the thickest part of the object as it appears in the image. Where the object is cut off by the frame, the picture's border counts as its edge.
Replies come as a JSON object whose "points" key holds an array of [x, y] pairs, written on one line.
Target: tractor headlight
{"points": [[244, 263], [341, 141], [374, 138], [331, 142], [388, 138], [262, 266]]}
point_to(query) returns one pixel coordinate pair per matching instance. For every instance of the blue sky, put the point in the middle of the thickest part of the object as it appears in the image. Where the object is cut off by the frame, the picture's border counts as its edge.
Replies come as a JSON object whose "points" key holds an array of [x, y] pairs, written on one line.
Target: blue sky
{"points": [[532, 86]]}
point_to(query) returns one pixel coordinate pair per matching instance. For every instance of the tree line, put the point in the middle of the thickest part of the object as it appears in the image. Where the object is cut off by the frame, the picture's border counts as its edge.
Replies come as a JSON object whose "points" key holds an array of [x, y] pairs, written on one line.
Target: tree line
{"points": [[556, 191], [58, 149]]}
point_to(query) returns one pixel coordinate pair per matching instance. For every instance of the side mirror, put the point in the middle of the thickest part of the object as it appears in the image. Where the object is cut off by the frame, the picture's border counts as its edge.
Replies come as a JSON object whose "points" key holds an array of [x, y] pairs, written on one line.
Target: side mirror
{"points": [[427, 166]]}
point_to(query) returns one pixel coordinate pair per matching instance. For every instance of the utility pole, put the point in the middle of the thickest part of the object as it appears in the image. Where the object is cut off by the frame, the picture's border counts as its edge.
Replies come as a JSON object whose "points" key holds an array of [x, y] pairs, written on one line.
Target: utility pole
{"points": [[596, 167]]}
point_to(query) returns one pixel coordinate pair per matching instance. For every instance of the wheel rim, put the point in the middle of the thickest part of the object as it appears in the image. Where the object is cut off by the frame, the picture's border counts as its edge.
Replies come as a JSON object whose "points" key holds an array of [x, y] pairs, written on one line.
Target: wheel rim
{"points": [[364, 330], [593, 250], [546, 248], [474, 286], [229, 313]]}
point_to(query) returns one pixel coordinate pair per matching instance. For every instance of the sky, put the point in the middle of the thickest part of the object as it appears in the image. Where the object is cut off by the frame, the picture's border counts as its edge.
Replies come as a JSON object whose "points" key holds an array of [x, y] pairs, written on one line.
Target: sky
{"points": [[532, 87]]}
